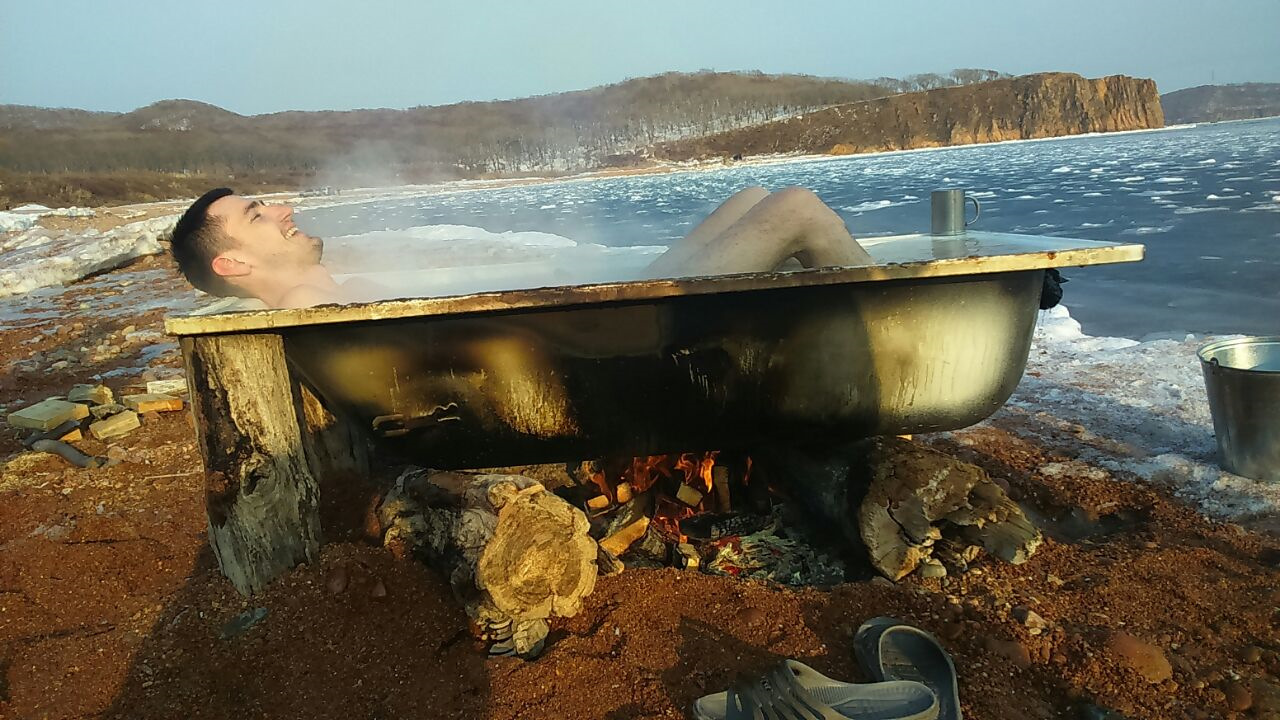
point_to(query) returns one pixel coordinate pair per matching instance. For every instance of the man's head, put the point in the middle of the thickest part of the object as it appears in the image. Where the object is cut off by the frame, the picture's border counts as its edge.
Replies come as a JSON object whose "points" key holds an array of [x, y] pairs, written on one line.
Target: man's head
{"points": [[230, 245]]}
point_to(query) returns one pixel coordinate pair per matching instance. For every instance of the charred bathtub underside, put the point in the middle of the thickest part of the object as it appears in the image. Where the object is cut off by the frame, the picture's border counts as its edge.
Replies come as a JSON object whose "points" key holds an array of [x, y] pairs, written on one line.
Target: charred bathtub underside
{"points": [[812, 365]]}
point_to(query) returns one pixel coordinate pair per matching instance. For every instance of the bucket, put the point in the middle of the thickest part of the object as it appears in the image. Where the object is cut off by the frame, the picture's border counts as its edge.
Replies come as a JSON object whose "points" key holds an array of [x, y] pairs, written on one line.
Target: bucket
{"points": [[1243, 380]]}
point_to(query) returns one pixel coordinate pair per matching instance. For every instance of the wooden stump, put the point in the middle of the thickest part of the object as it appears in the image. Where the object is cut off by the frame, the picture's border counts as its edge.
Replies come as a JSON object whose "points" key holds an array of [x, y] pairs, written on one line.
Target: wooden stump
{"points": [[261, 497], [895, 498], [514, 554]]}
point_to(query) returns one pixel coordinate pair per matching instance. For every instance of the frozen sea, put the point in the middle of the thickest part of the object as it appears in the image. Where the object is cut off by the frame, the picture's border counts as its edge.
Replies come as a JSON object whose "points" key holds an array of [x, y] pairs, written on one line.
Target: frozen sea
{"points": [[1205, 201]]}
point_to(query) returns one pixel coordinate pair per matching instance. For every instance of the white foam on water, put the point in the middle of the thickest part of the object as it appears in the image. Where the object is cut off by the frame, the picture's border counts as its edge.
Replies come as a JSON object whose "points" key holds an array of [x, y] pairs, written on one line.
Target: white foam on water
{"points": [[1147, 230], [1062, 169], [1170, 179], [871, 205], [1209, 161], [1195, 210]]}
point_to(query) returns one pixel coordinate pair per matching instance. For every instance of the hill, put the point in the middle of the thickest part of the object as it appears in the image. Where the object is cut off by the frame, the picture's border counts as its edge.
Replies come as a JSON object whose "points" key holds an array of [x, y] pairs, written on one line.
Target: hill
{"points": [[1213, 103]]}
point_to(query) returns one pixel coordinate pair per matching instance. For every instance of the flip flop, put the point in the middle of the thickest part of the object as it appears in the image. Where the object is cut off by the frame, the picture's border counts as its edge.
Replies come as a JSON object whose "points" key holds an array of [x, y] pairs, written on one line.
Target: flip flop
{"points": [[891, 650], [795, 691]]}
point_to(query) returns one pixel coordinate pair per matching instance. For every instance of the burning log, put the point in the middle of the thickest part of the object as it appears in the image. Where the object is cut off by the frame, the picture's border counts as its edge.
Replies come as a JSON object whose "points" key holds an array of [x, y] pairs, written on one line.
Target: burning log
{"points": [[514, 554], [896, 497]]}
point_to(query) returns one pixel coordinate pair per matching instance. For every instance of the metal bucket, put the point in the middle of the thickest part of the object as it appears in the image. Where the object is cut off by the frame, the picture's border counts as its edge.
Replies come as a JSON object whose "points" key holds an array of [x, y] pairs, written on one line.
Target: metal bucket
{"points": [[1243, 380]]}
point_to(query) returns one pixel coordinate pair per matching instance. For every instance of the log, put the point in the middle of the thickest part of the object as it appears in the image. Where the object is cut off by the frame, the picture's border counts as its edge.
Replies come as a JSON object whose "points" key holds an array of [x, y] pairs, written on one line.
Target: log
{"points": [[514, 553], [895, 497], [260, 496]]}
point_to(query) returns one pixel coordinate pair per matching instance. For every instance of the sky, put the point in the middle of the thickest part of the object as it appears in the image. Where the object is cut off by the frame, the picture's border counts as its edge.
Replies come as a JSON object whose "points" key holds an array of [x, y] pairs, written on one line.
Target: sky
{"points": [[272, 55]]}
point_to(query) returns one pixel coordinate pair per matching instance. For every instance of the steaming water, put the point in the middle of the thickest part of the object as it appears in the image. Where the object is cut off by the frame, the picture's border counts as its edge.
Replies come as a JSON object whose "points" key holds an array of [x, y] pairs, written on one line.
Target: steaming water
{"points": [[1205, 200]]}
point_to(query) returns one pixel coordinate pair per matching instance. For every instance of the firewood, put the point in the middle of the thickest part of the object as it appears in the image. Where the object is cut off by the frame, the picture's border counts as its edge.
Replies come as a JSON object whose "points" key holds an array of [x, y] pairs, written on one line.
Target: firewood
{"points": [[618, 542], [513, 552], [689, 495], [895, 497]]}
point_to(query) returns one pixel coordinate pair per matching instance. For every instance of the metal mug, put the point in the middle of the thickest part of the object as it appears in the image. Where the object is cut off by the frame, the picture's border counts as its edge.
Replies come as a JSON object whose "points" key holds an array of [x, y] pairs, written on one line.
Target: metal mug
{"points": [[949, 211]]}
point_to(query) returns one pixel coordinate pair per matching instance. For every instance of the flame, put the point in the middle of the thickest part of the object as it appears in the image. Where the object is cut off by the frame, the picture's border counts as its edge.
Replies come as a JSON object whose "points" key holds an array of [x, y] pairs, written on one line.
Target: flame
{"points": [[642, 473]]}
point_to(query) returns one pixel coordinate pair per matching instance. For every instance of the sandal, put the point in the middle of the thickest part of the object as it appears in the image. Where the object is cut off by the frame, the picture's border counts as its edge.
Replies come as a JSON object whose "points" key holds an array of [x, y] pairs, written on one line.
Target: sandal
{"points": [[795, 691], [891, 650]]}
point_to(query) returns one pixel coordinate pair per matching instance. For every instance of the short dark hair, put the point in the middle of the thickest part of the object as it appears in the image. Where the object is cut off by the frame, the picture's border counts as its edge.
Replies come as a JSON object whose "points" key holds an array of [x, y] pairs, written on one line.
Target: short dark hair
{"points": [[198, 239]]}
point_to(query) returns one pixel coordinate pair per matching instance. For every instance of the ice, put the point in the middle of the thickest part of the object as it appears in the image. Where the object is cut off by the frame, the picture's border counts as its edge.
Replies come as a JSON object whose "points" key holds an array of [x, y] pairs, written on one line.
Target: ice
{"points": [[36, 257], [877, 205], [1137, 408]]}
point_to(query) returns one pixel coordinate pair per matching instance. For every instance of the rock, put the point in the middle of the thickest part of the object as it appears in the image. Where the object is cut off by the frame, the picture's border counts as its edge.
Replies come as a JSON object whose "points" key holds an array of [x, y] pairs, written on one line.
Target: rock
{"points": [[379, 590], [932, 569], [47, 414], [241, 623], [1089, 711], [119, 424], [1266, 698], [1029, 618], [175, 386], [1142, 657], [152, 402], [104, 411], [91, 394], [1251, 654], [1239, 697], [337, 580], [1011, 650], [117, 453]]}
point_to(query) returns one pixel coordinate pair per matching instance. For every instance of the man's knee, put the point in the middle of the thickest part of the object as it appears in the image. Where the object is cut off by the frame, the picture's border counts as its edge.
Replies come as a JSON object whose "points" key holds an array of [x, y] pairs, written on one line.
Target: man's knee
{"points": [[797, 195]]}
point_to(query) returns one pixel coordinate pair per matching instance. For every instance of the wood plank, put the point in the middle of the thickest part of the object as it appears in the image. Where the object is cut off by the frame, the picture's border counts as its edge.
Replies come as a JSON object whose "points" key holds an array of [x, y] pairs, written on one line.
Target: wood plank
{"points": [[48, 414]]}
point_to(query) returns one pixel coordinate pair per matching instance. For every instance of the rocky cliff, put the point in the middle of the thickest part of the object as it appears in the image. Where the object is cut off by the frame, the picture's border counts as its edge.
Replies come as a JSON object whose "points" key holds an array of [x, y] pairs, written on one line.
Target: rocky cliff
{"points": [[1030, 106]]}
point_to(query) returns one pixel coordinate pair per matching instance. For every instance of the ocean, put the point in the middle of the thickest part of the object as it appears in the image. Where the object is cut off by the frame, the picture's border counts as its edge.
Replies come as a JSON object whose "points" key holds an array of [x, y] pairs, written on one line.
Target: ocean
{"points": [[1205, 200]]}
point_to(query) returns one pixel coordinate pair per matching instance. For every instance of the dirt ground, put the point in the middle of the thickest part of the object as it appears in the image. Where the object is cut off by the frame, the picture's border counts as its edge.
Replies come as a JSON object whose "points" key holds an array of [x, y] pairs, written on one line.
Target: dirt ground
{"points": [[111, 604]]}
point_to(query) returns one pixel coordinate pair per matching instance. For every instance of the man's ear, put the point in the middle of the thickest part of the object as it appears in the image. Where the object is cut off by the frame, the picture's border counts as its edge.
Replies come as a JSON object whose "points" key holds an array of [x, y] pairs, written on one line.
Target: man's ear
{"points": [[230, 265]]}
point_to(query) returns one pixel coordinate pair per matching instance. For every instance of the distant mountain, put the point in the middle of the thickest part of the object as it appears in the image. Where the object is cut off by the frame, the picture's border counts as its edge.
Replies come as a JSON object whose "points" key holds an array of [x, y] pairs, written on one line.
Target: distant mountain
{"points": [[1212, 103], [179, 116]]}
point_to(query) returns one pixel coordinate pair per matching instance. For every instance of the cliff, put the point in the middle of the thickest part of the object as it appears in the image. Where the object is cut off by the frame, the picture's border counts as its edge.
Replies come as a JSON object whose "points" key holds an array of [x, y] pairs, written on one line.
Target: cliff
{"points": [[1212, 103], [1030, 106]]}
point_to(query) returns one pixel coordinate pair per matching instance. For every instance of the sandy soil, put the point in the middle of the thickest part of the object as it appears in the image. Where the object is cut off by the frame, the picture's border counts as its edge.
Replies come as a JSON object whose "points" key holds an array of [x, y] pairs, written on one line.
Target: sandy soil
{"points": [[111, 604]]}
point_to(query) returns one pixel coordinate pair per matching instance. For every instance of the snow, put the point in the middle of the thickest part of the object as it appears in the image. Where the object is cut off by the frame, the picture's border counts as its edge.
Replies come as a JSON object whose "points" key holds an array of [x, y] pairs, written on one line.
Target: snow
{"points": [[1136, 408]]}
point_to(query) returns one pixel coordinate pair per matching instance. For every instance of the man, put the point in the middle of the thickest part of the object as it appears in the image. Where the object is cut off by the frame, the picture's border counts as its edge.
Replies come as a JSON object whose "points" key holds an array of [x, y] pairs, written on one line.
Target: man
{"points": [[226, 244]]}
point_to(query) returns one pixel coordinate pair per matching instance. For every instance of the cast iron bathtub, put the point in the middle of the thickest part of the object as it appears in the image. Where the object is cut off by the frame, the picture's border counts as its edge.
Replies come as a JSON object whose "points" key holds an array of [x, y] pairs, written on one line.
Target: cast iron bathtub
{"points": [[933, 337]]}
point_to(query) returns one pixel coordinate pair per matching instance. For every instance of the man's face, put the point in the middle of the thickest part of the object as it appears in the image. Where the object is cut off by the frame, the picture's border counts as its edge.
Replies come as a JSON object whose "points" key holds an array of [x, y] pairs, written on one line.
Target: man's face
{"points": [[265, 238]]}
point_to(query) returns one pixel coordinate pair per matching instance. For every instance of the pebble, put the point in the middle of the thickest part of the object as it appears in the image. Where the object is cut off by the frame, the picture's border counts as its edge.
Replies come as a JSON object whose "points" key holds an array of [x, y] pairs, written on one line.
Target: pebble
{"points": [[933, 569], [1239, 697], [337, 580], [1029, 618], [1146, 659], [1011, 650], [1251, 654], [379, 590]]}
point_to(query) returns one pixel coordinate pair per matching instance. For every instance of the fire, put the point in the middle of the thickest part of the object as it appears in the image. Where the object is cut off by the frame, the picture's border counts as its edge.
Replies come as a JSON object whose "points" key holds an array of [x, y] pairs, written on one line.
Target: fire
{"points": [[687, 482]]}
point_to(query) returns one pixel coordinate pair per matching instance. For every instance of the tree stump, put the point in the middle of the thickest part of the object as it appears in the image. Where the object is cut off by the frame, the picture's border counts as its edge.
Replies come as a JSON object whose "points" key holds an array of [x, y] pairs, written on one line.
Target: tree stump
{"points": [[905, 503], [261, 497], [514, 554]]}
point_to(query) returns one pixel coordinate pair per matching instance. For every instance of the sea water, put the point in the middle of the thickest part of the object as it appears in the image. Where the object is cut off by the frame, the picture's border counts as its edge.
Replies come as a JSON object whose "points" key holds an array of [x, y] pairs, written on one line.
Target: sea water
{"points": [[1205, 201]]}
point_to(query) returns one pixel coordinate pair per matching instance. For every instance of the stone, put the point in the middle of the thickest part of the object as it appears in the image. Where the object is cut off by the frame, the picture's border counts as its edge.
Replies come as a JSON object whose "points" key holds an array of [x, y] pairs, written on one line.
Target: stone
{"points": [[117, 453], [1266, 698], [1011, 650], [1140, 656], [241, 623], [175, 386], [91, 394], [1029, 618], [1251, 654], [337, 580], [1239, 697], [48, 414], [119, 424], [932, 569], [152, 402], [104, 411]]}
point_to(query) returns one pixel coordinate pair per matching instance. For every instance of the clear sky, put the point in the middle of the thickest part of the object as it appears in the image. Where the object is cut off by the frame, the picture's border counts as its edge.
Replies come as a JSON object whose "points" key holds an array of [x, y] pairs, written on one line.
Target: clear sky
{"points": [[270, 55]]}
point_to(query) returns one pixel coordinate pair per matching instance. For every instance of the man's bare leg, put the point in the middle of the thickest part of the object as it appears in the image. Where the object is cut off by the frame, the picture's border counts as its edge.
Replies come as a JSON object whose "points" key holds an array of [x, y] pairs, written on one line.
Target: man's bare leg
{"points": [[681, 253], [789, 223]]}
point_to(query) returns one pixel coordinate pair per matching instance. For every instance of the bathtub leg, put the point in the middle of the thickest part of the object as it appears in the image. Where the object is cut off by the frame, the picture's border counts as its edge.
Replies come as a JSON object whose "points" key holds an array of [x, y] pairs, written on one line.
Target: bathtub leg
{"points": [[338, 457], [260, 495]]}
